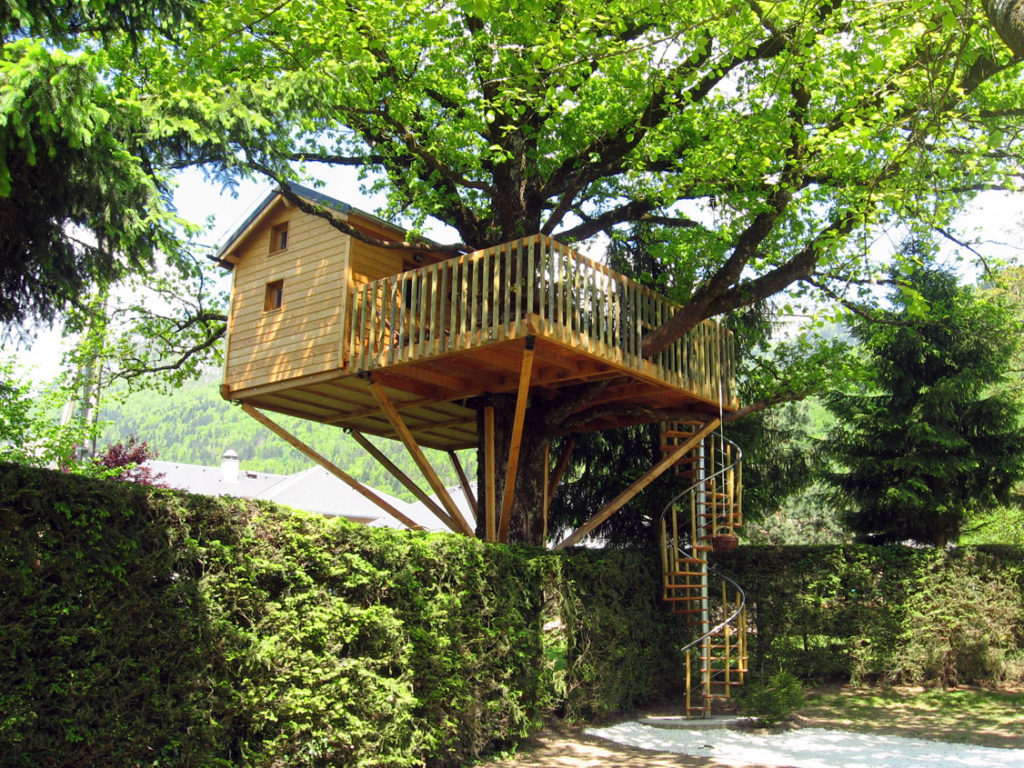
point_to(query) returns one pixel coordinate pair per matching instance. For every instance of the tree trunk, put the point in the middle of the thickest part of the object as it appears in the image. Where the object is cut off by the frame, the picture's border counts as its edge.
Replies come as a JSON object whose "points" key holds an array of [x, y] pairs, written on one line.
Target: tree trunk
{"points": [[1007, 16], [527, 518]]}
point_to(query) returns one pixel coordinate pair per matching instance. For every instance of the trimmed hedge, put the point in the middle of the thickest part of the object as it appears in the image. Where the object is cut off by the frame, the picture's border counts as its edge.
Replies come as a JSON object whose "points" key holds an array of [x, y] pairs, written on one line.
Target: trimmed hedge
{"points": [[621, 642], [897, 614], [141, 626]]}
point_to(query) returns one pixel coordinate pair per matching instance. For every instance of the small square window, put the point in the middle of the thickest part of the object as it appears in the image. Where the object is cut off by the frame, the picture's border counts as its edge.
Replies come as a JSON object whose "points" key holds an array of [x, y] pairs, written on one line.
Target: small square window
{"points": [[279, 237], [274, 297]]}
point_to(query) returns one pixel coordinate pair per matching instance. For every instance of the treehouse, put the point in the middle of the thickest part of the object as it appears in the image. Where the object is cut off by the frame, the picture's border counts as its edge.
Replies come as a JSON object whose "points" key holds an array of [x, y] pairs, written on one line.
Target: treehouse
{"points": [[408, 343], [360, 330]]}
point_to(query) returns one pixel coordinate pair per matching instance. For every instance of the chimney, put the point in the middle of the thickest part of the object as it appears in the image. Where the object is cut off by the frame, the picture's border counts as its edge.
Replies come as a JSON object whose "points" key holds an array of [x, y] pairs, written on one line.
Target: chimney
{"points": [[229, 466]]}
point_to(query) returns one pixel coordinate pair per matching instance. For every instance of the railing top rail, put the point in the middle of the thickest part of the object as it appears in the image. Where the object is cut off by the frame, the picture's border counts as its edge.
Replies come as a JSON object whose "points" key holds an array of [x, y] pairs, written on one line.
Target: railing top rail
{"points": [[728, 619], [547, 240]]}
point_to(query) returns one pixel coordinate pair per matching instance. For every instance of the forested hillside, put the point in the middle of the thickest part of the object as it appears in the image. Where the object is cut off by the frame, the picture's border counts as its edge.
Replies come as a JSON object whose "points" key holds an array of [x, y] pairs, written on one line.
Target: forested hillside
{"points": [[194, 425]]}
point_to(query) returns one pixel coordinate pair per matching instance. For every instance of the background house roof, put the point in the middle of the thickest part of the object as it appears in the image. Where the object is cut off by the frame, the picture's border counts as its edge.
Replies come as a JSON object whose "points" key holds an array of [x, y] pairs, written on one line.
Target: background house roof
{"points": [[313, 490], [418, 512]]}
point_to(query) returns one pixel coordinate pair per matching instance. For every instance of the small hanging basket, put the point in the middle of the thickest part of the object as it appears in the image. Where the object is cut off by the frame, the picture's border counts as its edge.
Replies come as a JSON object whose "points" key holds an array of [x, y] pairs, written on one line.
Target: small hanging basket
{"points": [[725, 542]]}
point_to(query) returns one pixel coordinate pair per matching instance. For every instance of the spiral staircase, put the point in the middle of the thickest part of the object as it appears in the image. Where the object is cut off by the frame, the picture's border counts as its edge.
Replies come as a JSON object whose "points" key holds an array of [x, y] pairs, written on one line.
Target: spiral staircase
{"points": [[701, 519]]}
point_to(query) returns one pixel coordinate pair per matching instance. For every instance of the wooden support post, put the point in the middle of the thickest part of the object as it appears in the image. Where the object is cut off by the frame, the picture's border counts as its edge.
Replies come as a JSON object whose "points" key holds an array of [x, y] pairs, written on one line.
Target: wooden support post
{"points": [[406, 436], [547, 496], [642, 482], [516, 443], [404, 479], [467, 489], [329, 466], [563, 464], [490, 504]]}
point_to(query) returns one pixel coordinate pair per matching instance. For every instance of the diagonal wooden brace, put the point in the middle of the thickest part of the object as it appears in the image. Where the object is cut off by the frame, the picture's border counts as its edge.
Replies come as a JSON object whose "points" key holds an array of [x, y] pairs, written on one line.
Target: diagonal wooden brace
{"points": [[404, 479], [639, 484], [406, 436], [324, 462]]}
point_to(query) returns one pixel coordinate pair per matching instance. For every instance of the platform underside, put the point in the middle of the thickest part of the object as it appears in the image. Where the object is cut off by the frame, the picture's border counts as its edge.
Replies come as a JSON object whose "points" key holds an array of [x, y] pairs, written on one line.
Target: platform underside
{"points": [[435, 395]]}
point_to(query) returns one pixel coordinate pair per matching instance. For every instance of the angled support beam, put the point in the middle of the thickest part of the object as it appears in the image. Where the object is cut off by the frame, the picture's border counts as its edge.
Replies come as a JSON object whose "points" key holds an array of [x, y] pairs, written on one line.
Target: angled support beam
{"points": [[324, 462], [419, 457], [516, 443], [403, 478], [467, 489], [490, 511], [563, 464], [639, 484]]}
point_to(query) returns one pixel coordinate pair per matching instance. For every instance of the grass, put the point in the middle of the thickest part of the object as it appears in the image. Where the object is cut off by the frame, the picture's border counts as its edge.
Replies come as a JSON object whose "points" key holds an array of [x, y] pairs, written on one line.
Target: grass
{"points": [[969, 715]]}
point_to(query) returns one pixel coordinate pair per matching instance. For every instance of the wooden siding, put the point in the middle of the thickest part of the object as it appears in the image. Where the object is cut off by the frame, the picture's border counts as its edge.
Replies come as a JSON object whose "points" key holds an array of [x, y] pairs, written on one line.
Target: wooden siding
{"points": [[534, 286], [304, 336]]}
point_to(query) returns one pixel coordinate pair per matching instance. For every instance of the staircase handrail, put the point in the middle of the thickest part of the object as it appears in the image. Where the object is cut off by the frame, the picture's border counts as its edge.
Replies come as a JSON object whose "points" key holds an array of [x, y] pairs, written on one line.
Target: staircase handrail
{"points": [[737, 458], [728, 620]]}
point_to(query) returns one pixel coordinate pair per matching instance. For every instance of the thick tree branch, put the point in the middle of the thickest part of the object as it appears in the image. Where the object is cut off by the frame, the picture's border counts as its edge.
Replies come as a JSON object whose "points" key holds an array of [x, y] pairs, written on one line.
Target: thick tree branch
{"points": [[343, 226], [633, 211]]}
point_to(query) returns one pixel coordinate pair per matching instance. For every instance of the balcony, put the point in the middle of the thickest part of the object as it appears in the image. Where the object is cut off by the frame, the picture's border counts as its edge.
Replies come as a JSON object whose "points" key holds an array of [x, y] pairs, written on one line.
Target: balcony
{"points": [[588, 322]]}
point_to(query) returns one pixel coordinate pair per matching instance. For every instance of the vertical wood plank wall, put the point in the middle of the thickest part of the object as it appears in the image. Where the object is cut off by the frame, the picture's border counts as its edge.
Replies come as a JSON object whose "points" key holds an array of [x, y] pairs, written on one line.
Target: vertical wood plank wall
{"points": [[305, 336]]}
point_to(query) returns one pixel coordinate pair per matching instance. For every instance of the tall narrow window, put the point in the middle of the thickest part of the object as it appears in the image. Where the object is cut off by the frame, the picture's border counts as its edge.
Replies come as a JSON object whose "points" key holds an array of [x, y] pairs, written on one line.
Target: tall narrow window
{"points": [[279, 237], [274, 296]]}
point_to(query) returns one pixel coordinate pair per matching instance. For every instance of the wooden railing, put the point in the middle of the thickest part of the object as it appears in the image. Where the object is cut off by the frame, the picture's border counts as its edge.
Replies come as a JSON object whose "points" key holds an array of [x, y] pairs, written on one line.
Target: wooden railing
{"points": [[533, 285]]}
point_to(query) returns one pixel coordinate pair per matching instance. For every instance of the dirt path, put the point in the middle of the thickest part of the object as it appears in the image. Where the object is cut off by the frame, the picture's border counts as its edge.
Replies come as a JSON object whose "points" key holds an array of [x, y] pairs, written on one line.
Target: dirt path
{"points": [[897, 714], [564, 747]]}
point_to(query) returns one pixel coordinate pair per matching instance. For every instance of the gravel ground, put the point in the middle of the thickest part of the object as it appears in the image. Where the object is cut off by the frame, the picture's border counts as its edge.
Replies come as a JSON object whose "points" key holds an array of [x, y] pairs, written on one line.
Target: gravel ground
{"points": [[809, 748]]}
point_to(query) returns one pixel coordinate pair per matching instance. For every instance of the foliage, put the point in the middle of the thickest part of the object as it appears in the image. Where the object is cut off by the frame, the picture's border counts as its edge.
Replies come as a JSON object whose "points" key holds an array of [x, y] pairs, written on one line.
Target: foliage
{"points": [[29, 432], [622, 645], [141, 625], [930, 439], [958, 628], [127, 459], [870, 613], [80, 204], [771, 699]]}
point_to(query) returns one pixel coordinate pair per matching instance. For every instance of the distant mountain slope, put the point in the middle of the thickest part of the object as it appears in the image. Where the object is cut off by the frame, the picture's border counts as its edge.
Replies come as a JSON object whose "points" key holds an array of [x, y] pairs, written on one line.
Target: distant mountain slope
{"points": [[194, 425]]}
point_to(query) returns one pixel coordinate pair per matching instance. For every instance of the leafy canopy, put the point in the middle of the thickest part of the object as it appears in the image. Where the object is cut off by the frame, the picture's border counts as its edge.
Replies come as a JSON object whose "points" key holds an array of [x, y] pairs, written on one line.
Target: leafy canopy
{"points": [[776, 136], [81, 203]]}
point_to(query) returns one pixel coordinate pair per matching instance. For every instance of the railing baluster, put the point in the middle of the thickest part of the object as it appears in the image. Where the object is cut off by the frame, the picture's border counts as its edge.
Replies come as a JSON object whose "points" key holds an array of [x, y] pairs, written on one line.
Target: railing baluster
{"points": [[473, 299]]}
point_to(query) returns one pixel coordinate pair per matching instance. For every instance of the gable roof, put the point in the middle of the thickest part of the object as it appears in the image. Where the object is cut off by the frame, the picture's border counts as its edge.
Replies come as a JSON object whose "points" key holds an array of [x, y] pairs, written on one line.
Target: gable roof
{"points": [[304, 192]]}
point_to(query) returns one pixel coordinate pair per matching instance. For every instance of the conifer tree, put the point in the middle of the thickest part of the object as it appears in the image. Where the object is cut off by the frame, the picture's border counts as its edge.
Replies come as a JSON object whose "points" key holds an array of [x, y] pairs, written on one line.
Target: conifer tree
{"points": [[932, 439]]}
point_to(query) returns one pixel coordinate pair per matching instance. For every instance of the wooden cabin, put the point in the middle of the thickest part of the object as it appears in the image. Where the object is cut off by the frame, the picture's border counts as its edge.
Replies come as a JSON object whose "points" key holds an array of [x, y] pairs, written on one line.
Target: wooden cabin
{"points": [[313, 308], [401, 342]]}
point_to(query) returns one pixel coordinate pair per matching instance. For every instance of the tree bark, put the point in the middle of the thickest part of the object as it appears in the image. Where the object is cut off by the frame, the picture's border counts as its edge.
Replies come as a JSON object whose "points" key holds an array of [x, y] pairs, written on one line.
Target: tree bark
{"points": [[527, 520], [1007, 16]]}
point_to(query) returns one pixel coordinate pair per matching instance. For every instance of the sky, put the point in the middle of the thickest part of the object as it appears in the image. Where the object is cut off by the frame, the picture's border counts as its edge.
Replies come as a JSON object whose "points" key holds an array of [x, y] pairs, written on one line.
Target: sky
{"points": [[996, 218]]}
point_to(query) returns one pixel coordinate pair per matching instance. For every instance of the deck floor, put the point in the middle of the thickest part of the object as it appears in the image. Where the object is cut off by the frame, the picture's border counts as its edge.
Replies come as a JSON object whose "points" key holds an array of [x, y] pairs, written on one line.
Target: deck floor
{"points": [[433, 395]]}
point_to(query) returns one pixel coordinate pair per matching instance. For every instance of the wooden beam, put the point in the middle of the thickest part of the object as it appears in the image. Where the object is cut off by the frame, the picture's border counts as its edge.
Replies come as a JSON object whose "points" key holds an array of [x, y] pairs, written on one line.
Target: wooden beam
{"points": [[330, 467], [403, 478], [418, 456], [547, 492], [490, 505], [516, 443], [642, 482], [467, 489], [563, 464]]}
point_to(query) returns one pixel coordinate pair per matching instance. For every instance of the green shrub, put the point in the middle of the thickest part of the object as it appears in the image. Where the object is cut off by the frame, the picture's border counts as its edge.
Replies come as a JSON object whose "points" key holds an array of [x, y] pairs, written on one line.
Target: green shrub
{"points": [[621, 641], [771, 700], [145, 626], [868, 613], [959, 624]]}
